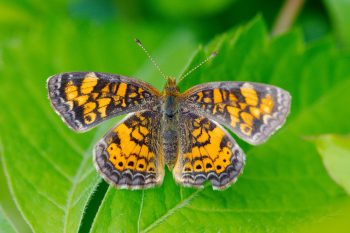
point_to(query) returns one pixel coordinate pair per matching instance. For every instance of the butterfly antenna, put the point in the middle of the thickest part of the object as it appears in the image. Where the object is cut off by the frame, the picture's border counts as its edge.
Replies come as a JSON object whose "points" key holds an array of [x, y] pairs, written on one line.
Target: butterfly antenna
{"points": [[212, 55], [138, 42]]}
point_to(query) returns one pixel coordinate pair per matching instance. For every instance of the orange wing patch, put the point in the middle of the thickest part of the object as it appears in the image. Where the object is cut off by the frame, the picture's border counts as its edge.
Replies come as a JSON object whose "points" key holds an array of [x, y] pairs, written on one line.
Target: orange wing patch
{"points": [[210, 154], [129, 155]]}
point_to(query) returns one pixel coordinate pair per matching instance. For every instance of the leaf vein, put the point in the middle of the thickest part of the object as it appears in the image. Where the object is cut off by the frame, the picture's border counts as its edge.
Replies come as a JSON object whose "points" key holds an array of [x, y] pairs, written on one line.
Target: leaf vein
{"points": [[171, 211], [140, 213]]}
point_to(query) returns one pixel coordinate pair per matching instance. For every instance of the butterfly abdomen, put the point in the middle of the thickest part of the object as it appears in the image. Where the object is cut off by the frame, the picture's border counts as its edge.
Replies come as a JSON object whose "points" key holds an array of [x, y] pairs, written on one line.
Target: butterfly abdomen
{"points": [[170, 146]]}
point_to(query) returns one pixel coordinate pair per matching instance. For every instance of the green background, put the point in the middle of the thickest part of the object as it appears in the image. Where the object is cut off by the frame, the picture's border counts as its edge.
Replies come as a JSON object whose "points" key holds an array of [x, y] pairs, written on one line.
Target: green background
{"points": [[298, 181]]}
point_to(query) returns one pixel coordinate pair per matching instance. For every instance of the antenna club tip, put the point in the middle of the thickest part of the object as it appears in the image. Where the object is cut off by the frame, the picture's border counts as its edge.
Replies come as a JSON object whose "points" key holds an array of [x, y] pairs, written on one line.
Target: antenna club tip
{"points": [[137, 41], [213, 54]]}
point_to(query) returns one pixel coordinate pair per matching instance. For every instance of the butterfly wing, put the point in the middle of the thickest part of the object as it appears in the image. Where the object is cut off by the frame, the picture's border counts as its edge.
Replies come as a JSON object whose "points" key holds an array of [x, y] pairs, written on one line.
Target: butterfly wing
{"points": [[85, 99], [252, 111], [207, 152], [129, 156]]}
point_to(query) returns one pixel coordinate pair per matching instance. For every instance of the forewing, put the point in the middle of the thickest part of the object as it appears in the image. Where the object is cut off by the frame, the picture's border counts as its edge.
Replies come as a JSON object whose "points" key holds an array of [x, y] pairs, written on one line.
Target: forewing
{"points": [[207, 152], [84, 99], [252, 111], [129, 156]]}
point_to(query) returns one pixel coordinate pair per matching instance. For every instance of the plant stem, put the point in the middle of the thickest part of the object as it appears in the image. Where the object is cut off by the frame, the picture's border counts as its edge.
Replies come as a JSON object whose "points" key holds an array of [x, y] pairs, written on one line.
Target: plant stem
{"points": [[287, 16]]}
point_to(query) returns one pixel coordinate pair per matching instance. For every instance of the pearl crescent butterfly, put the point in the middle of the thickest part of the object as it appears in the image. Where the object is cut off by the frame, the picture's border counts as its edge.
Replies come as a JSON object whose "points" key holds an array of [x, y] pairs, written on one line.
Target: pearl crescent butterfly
{"points": [[184, 131]]}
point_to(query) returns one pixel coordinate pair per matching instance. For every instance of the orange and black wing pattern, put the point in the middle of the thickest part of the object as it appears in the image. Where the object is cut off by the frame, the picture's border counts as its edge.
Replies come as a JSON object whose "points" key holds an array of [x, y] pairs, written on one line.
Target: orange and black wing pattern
{"points": [[252, 111], [84, 99], [129, 156], [207, 153]]}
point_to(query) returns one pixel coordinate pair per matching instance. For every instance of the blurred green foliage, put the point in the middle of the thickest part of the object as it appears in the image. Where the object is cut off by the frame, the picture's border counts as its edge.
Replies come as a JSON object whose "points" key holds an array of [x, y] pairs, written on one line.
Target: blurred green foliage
{"points": [[47, 180], [335, 150]]}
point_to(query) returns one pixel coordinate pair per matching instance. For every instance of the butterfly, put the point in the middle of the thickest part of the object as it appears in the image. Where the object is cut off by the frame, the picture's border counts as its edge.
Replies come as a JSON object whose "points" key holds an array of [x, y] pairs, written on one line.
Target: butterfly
{"points": [[184, 131]]}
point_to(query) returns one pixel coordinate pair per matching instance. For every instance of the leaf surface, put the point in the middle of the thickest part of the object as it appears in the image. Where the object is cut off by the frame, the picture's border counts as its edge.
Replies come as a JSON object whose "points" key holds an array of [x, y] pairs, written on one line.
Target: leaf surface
{"points": [[335, 153]]}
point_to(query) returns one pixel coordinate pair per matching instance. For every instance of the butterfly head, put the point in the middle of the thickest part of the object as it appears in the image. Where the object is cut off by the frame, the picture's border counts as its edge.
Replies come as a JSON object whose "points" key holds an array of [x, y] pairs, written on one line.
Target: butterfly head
{"points": [[171, 87]]}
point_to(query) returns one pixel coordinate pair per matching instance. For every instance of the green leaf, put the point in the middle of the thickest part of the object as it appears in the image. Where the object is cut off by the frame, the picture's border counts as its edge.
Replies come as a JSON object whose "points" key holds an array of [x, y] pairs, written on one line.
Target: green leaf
{"points": [[337, 220], [339, 12], [335, 153], [284, 184], [5, 224], [7, 205]]}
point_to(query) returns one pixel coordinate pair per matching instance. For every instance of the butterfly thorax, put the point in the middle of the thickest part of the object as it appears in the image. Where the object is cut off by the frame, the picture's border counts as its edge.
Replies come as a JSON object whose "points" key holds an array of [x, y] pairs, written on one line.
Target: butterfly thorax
{"points": [[171, 92], [170, 122]]}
